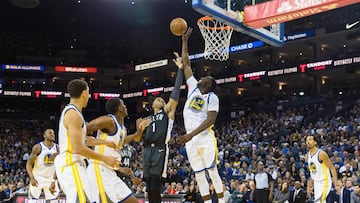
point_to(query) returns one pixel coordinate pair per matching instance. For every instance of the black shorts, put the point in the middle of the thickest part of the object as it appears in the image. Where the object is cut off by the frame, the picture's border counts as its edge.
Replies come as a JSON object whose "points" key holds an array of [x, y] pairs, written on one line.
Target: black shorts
{"points": [[154, 160]]}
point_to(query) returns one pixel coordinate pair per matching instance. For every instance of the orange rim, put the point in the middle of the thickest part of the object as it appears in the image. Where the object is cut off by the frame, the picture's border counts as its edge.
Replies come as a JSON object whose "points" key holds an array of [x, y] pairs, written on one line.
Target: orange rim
{"points": [[208, 18]]}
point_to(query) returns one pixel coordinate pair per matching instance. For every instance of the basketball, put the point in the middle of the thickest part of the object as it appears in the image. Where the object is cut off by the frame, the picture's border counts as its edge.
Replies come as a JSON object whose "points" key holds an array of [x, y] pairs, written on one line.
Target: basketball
{"points": [[178, 26]]}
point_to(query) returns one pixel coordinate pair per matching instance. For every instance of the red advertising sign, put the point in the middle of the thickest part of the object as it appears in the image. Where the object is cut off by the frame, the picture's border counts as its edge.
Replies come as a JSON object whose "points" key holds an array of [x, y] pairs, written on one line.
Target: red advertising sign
{"points": [[279, 11], [71, 69]]}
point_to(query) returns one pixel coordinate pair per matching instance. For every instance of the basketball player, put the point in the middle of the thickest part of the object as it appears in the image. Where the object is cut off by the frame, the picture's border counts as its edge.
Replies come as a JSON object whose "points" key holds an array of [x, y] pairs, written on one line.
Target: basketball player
{"points": [[70, 167], [111, 128], [320, 167], [126, 156], [200, 112], [41, 170], [157, 136]]}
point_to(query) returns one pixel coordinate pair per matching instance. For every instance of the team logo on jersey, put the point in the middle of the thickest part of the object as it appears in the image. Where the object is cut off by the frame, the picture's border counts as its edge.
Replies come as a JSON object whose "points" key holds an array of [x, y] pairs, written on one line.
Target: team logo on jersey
{"points": [[312, 167], [47, 161], [197, 103]]}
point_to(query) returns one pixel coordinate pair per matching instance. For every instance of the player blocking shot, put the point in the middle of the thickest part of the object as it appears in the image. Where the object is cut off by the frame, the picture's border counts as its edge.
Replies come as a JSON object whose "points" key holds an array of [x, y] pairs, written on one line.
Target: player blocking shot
{"points": [[200, 112]]}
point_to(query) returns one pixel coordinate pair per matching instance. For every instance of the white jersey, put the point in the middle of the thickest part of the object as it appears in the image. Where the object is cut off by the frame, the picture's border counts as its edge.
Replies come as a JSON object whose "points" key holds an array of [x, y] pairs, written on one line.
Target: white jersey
{"points": [[43, 166], [197, 106], [66, 157], [318, 170], [118, 137]]}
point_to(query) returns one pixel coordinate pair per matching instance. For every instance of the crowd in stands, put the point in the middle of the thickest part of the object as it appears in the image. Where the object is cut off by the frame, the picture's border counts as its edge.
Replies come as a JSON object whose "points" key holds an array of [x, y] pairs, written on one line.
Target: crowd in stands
{"points": [[277, 138]]}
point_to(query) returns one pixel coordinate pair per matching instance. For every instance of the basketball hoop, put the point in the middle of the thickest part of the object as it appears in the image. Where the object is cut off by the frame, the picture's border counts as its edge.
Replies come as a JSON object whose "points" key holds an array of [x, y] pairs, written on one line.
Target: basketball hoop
{"points": [[217, 37]]}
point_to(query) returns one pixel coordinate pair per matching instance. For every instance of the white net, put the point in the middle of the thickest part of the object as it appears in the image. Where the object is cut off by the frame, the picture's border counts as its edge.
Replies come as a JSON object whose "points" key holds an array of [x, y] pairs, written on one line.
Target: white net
{"points": [[217, 37]]}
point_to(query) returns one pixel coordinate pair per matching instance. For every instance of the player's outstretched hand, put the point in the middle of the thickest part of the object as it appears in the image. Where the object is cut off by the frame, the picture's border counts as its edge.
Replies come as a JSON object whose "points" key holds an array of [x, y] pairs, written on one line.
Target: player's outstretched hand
{"points": [[187, 34], [144, 123], [178, 61], [112, 161], [125, 170], [135, 180], [184, 138]]}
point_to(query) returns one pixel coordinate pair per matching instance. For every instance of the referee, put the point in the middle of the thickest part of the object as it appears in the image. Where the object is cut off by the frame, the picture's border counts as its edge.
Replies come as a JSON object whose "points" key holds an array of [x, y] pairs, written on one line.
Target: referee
{"points": [[264, 185]]}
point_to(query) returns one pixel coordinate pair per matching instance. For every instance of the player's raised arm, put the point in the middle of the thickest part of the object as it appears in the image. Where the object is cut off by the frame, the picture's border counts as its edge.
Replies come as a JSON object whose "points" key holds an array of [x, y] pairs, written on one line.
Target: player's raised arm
{"points": [[185, 54], [170, 107]]}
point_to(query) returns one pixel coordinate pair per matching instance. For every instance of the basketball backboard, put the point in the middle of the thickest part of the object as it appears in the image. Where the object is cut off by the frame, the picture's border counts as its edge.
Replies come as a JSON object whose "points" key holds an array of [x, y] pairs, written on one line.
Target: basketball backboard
{"points": [[227, 12]]}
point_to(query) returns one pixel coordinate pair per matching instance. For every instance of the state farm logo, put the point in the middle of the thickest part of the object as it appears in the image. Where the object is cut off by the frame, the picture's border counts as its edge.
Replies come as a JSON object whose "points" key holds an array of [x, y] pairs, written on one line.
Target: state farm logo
{"points": [[285, 7], [290, 5]]}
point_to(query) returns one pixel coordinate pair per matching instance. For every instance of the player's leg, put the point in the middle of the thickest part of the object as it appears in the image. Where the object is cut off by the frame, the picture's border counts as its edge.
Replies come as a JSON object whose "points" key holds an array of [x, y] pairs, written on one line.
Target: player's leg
{"points": [[210, 158], [67, 183], [198, 165], [34, 193], [321, 190], [216, 181], [159, 156], [52, 198], [74, 182], [155, 190], [146, 172], [116, 190], [96, 182], [203, 186]]}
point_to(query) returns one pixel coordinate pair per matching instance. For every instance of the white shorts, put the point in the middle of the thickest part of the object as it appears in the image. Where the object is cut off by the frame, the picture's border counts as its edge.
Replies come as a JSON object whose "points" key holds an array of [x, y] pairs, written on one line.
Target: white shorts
{"points": [[202, 151], [321, 190], [74, 182], [107, 183], [43, 185]]}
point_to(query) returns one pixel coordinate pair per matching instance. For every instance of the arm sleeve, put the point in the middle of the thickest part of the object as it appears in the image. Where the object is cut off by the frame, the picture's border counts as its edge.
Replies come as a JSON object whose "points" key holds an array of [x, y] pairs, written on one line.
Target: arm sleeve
{"points": [[179, 78]]}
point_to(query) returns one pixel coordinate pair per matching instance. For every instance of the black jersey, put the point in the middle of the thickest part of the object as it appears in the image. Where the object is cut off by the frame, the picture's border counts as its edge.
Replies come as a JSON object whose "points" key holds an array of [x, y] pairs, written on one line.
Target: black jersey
{"points": [[158, 132], [125, 156]]}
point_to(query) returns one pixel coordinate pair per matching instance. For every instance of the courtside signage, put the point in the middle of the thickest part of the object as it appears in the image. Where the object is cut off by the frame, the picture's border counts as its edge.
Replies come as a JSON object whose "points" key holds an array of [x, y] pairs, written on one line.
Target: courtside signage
{"points": [[242, 77], [71, 69], [235, 48], [17, 93], [243, 47], [316, 66], [150, 65], [22, 67], [300, 35], [279, 11]]}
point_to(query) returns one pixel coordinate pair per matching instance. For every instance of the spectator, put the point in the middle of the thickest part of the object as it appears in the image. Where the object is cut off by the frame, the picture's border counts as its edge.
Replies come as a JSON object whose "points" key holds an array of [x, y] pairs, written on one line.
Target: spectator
{"points": [[355, 196], [298, 195], [191, 195], [227, 194], [283, 195]]}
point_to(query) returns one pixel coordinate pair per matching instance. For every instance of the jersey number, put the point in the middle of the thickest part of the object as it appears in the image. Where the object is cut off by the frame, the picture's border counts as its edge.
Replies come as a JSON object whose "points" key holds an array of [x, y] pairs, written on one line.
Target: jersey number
{"points": [[153, 126], [126, 162]]}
